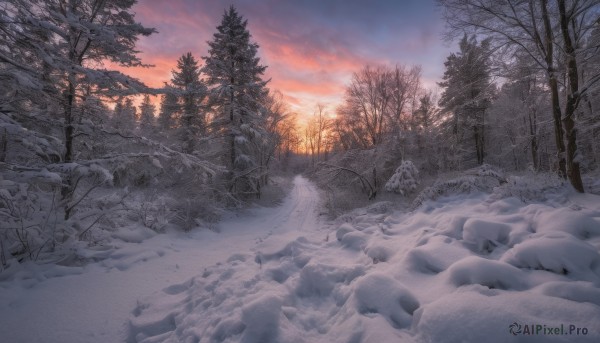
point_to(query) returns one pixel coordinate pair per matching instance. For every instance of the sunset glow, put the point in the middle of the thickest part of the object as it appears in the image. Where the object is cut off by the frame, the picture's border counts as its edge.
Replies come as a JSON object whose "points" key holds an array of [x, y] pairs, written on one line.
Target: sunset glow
{"points": [[311, 48]]}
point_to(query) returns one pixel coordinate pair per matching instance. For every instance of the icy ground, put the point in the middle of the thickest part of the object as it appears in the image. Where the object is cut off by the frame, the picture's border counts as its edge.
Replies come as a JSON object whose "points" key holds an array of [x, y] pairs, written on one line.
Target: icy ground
{"points": [[463, 268]]}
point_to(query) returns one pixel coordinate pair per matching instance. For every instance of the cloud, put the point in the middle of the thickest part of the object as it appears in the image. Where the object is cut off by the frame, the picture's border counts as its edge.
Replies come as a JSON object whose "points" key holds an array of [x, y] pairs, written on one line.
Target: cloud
{"points": [[311, 47]]}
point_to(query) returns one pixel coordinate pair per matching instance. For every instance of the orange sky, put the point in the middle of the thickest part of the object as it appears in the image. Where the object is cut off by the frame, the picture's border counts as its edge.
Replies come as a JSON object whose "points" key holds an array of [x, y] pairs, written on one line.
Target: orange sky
{"points": [[311, 47]]}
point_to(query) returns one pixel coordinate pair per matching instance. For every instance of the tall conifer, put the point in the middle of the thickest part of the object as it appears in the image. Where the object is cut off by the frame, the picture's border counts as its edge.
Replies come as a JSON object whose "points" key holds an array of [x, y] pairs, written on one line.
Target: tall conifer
{"points": [[237, 90]]}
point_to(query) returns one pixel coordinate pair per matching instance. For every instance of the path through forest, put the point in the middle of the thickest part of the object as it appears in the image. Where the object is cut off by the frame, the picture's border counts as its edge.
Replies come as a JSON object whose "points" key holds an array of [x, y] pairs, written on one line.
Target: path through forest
{"points": [[92, 303]]}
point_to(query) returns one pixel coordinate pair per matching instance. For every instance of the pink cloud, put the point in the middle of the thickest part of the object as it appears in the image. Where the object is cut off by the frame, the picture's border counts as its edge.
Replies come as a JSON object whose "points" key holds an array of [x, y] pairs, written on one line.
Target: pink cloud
{"points": [[310, 54]]}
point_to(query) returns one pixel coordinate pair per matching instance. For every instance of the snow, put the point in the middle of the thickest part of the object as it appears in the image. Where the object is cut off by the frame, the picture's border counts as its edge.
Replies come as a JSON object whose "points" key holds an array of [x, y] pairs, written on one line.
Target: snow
{"points": [[380, 294], [460, 268], [558, 252], [404, 180]]}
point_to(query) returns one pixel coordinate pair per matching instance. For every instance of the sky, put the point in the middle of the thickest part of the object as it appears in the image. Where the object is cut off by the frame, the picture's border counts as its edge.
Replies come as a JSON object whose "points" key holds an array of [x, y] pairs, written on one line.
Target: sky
{"points": [[311, 47]]}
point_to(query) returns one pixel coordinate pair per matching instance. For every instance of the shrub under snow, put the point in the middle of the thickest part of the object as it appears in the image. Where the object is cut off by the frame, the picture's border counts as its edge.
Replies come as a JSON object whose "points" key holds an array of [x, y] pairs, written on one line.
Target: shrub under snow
{"points": [[404, 180], [484, 178]]}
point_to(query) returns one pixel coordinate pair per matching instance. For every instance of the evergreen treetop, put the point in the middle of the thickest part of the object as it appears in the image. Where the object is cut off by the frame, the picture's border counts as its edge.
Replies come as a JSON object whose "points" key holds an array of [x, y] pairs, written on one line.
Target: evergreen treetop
{"points": [[232, 66]]}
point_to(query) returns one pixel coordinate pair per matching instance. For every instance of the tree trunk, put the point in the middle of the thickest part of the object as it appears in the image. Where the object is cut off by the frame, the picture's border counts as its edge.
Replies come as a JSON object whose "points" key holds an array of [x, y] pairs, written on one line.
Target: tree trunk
{"points": [[478, 135], [66, 191], [573, 97], [533, 142], [558, 130], [68, 157], [553, 84], [3, 146], [534, 153], [232, 120], [573, 169]]}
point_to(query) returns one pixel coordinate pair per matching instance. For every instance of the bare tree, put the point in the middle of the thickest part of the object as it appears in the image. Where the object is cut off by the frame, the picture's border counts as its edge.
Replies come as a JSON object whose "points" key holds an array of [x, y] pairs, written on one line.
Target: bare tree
{"points": [[405, 84], [552, 34], [323, 124], [369, 95], [379, 101], [349, 130], [315, 133], [310, 139]]}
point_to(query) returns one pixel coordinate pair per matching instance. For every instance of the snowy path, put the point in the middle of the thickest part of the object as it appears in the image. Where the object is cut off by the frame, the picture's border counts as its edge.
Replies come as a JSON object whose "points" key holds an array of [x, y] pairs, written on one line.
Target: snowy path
{"points": [[93, 303]]}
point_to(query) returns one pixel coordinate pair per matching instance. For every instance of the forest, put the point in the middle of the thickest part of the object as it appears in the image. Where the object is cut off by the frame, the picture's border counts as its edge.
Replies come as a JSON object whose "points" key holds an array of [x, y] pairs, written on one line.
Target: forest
{"points": [[521, 93], [86, 149]]}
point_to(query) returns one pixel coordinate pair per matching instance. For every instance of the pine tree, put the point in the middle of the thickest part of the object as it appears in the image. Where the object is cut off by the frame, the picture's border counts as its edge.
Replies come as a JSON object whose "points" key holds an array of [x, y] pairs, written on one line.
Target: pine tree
{"points": [[192, 92], [424, 114], [117, 114], [147, 110], [467, 93], [66, 43], [128, 116], [83, 34], [234, 75], [168, 110]]}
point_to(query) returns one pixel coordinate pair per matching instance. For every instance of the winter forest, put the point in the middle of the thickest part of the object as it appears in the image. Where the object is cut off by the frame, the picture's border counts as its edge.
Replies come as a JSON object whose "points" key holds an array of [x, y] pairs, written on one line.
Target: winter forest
{"points": [[215, 208]]}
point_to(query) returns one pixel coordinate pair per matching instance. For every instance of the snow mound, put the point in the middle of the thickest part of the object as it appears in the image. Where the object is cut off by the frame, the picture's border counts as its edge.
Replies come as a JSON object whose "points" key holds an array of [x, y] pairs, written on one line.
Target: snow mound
{"points": [[466, 268], [354, 240], [579, 291], [379, 294], [133, 234], [475, 317], [379, 253], [558, 252], [582, 223], [485, 234], [320, 280], [261, 319], [488, 273], [437, 255]]}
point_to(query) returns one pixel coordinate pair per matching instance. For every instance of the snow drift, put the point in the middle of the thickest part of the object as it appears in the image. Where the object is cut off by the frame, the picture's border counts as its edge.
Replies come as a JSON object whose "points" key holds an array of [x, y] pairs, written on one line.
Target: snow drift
{"points": [[459, 268]]}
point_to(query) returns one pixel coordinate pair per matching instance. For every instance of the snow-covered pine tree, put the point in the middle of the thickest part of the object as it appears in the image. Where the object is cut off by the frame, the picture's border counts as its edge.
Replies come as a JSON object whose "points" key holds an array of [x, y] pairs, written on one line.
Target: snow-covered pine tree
{"points": [[237, 90], [129, 116], [425, 113], [124, 116], [81, 35], [192, 92], [67, 43], [147, 110], [169, 109], [52, 75], [405, 179], [117, 114], [467, 95]]}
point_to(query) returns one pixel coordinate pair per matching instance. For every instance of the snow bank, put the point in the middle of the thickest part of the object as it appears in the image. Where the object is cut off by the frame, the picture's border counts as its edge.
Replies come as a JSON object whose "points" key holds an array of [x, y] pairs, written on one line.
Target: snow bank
{"points": [[462, 268], [485, 234], [559, 253], [261, 319], [380, 294], [475, 270], [466, 268], [487, 316]]}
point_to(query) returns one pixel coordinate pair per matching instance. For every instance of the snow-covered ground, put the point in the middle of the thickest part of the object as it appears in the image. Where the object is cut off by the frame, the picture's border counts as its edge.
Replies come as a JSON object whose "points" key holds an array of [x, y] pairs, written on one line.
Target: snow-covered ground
{"points": [[463, 268], [93, 303]]}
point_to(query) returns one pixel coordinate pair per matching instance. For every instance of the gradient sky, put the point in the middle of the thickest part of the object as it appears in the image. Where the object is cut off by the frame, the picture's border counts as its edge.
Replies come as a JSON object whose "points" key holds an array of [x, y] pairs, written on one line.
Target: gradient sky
{"points": [[311, 47]]}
